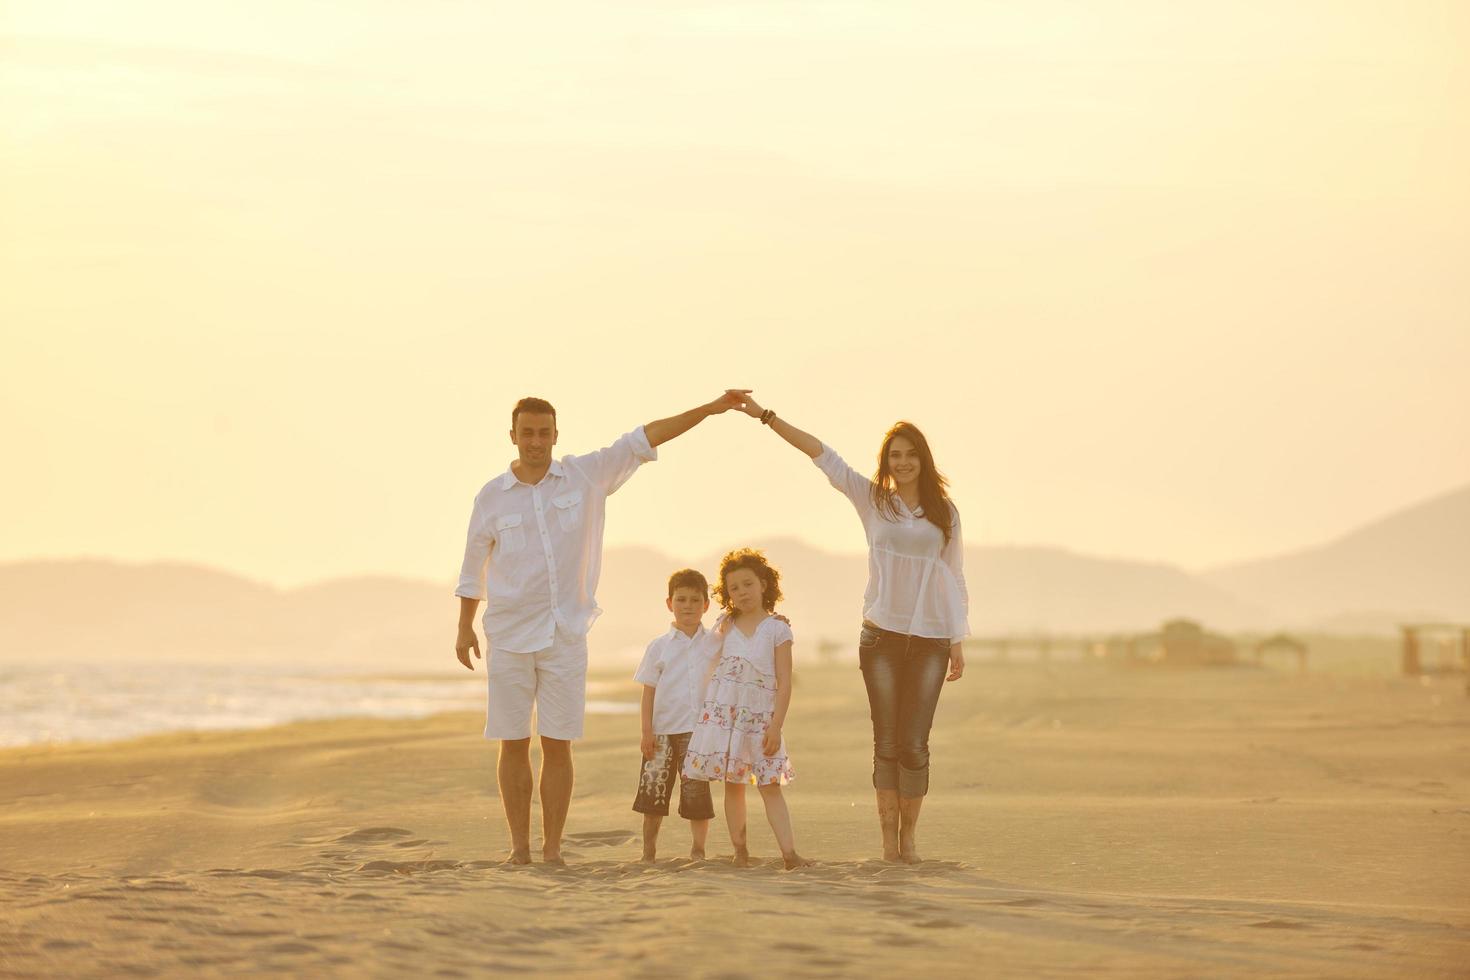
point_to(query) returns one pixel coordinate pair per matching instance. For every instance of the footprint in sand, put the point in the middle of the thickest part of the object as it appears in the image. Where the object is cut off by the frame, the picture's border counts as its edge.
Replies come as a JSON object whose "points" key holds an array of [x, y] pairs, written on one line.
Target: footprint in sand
{"points": [[373, 835], [601, 838], [1278, 924], [408, 867]]}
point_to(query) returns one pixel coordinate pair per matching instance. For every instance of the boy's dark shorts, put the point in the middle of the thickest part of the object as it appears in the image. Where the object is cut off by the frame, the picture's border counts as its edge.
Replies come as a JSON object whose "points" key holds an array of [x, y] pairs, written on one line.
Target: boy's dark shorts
{"points": [[656, 782]]}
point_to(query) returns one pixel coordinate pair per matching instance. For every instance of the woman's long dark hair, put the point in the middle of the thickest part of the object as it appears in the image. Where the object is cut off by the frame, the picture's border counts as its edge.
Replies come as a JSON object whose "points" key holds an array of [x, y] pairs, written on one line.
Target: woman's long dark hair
{"points": [[933, 495]]}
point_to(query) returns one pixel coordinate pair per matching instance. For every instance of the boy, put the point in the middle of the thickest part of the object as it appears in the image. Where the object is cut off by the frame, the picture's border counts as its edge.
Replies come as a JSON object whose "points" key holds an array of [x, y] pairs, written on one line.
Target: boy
{"points": [[672, 674]]}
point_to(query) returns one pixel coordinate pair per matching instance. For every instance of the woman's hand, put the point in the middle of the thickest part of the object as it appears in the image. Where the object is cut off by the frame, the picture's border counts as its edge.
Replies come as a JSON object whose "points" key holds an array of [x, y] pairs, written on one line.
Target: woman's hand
{"points": [[771, 741], [751, 408], [732, 398], [956, 662]]}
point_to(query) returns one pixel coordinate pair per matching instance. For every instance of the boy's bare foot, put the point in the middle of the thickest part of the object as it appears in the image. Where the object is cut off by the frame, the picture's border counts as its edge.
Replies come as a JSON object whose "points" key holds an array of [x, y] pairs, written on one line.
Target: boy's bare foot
{"points": [[794, 860], [696, 854], [519, 857], [741, 858]]}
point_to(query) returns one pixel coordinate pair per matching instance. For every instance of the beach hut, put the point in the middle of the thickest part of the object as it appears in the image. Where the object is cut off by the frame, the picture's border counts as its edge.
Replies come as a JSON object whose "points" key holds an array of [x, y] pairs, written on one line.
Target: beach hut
{"points": [[1282, 643]]}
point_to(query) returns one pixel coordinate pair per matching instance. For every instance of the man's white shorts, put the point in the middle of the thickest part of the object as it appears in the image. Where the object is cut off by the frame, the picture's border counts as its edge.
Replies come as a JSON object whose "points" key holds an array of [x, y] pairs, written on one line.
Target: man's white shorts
{"points": [[554, 680]]}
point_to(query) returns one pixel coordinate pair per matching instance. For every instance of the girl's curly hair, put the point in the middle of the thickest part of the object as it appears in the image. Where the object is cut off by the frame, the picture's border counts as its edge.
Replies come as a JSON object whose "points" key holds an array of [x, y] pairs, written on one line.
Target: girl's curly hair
{"points": [[755, 560]]}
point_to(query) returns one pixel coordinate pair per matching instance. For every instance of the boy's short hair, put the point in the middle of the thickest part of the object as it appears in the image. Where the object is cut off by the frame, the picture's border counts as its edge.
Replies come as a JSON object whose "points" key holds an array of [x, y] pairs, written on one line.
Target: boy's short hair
{"points": [[536, 406], [688, 578]]}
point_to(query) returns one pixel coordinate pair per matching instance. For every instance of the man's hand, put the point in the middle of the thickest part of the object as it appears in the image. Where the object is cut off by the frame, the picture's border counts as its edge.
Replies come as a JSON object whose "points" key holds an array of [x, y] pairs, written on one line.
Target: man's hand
{"points": [[771, 741], [732, 398], [466, 642], [647, 744], [956, 662], [749, 407]]}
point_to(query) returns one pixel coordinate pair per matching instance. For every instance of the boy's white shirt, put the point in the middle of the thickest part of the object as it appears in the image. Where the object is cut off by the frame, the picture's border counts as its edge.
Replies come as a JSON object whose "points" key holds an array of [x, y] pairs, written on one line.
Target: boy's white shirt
{"points": [[677, 666]]}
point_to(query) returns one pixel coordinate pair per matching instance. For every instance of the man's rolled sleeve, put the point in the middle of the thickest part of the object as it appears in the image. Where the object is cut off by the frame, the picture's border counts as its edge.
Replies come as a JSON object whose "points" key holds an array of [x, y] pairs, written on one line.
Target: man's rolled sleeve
{"points": [[610, 468], [476, 557]]}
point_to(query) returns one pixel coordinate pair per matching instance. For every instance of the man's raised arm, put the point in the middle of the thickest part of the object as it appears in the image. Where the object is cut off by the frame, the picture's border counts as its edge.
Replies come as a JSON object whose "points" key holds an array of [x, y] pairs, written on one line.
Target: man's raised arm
{"points": [[663, 430]]}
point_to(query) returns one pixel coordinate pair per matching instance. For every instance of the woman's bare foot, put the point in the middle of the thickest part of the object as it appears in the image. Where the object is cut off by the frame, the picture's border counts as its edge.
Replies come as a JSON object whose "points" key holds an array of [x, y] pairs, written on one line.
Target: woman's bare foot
{"points": [[552, 857], [892, 854], [910, 856], [794, 860], [908, 850], [696, 854], [649, 855], [519, 857], [741, 858]]}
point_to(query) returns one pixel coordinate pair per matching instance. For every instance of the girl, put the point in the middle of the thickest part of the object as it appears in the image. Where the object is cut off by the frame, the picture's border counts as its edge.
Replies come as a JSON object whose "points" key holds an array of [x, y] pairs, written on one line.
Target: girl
{"points": [[737, 736], [915, 610]]}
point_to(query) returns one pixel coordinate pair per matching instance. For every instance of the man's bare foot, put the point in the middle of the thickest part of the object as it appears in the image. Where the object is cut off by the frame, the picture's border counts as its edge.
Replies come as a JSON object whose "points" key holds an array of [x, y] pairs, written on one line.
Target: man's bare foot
{"points": [[649, 855], [794, 860], [696, 854], [522, 856], [741, 858]]}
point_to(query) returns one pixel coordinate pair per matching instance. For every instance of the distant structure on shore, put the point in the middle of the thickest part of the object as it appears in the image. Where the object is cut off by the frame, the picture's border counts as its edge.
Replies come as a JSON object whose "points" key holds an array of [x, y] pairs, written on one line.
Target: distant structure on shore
{"points": [[1178, 643], [1282, 643], [1446, 638]]}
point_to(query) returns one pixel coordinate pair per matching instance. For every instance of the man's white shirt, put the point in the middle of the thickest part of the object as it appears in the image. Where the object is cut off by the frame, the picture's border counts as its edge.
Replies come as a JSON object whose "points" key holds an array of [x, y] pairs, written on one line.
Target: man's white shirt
{"points": [[534, 553], [674, 665]]}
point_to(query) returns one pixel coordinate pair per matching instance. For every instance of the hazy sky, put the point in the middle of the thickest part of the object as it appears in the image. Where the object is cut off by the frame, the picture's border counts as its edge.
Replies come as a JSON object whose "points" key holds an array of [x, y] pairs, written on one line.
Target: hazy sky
{"points": [[1172, 280]]}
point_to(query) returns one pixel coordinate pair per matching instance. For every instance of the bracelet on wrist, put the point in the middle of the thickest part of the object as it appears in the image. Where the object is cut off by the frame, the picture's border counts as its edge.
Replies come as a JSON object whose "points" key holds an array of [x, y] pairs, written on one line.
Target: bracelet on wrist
{"points": [[766, 416]]}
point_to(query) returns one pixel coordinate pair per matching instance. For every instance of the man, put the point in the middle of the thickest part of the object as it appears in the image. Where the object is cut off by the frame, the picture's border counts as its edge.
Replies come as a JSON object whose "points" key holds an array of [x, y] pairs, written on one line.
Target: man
{"points": [[533, 554]]}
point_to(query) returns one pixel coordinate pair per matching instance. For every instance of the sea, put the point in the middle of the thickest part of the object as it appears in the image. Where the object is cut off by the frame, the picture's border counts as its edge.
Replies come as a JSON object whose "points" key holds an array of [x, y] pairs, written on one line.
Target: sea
{"points": [[54, 703]]}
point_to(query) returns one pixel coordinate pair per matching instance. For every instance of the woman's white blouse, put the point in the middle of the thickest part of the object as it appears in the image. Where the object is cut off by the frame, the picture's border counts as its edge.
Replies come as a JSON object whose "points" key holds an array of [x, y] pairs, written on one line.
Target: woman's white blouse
{"points": [[916, 582]]}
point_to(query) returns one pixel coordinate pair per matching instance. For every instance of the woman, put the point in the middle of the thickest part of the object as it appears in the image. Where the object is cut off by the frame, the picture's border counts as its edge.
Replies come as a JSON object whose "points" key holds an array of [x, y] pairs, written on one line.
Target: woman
{"points": [[915, 610]]}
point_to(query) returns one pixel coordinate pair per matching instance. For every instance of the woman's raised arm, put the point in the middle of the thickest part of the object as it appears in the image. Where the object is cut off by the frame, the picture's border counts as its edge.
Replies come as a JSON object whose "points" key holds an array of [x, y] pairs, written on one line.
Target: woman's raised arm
{"points": [[804, 441]]}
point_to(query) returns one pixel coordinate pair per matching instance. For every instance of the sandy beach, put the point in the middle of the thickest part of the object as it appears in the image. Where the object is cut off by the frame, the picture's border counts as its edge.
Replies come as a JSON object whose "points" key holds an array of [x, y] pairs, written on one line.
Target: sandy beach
{"points": [[1083, 819]]}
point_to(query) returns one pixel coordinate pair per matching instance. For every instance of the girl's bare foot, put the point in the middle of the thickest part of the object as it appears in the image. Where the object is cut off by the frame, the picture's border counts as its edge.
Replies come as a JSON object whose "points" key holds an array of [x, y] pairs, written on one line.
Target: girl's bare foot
{"points": [[696, 854], [519, 857], [649, 855], [910, 856], [794, 860], [892, 854], [742, 858]]}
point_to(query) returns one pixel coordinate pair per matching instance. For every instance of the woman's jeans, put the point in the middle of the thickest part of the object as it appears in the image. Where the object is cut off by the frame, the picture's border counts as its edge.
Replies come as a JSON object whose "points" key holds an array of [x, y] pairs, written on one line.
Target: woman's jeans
{"points": [[904, 675]]}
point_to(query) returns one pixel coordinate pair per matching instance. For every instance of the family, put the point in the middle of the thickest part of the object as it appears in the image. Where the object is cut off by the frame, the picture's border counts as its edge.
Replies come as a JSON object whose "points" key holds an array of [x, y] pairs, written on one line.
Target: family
{"points": [[715, 700]]}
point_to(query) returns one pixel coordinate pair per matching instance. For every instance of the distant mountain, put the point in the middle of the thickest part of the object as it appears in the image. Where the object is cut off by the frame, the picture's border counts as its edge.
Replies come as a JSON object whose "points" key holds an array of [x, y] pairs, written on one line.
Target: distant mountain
{"points": [[94, 610], [102, 610], [1018, 589], [1414, 564]]}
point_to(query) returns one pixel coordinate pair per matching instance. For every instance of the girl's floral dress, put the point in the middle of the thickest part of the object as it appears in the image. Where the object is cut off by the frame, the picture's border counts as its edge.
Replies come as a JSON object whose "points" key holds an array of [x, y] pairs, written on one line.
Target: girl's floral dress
{"points": [[739, 703]]}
